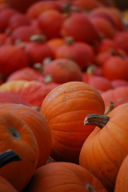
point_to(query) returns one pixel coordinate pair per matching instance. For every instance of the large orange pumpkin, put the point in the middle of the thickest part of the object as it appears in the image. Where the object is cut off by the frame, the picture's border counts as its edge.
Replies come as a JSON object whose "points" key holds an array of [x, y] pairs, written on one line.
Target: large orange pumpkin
{"points": [[38, 125], [64, 109], [15, 134], [122, 177], [104, 150], [64, 177]]}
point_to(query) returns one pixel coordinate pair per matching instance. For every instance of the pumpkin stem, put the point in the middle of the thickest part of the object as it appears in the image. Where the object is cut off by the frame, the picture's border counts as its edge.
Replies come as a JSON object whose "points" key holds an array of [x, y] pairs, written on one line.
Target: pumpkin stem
{"points": [[98, 120], [109, 107], [91, 70], [48, 79], [7, 157], [47, 60], [112, 51], [38, 67], [69, 40], [38, 38]]}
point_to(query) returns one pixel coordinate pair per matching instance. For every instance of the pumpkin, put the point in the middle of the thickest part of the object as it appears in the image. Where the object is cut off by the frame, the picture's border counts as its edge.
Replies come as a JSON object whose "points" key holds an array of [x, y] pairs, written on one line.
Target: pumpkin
{"points": [[121, 40], [121, 184], [115, 68], [118, 95], [64, 177], [102, 152], [32, 92], [37, 52], [50, 23], [18, 20], [87, 5], [54, 44], [5, 16], [15, 134], [12, 58], [11, 98], [97, 82], [27, 74], [36, 9], [79, 52], [106, 45], [80, 28], [38, 125], [62, 71], [111, 14], [64, 109], [5, 158], [119, 83]]}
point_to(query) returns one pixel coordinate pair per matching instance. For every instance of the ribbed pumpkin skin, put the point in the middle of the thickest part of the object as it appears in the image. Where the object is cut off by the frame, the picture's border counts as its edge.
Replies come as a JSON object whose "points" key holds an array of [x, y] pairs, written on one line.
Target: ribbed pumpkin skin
{"points": [[122, 177], [5, 186], [104, 150], [65, 108], [64, 177], [38, 125], [15, 134]]}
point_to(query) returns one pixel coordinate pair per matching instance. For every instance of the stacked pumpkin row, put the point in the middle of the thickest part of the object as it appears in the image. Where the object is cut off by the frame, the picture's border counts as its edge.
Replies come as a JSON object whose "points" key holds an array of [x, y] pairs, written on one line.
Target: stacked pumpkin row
{"points": [[63, 68]]}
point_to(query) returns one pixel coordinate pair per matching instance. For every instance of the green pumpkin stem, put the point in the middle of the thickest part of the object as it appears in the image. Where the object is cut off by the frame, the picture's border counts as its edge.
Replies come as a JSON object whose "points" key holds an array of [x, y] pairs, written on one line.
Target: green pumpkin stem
{"points": [[109, 108], [69, 40], [7, 157], [98, 120]]}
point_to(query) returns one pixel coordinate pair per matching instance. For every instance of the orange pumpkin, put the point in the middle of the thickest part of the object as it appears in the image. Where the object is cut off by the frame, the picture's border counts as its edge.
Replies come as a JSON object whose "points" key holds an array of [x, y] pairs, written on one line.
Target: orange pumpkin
{"points": [[102, 152], [17, 135], [64, 109], [38, 125], [122, 177], [64, 177]]}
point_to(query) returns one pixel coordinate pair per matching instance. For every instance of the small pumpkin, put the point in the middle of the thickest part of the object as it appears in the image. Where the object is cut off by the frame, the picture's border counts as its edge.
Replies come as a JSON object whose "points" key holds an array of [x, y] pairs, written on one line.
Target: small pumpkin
{"points": [[64, 177], [62, 71], [80, 52], [102, 152], [64, 109]]}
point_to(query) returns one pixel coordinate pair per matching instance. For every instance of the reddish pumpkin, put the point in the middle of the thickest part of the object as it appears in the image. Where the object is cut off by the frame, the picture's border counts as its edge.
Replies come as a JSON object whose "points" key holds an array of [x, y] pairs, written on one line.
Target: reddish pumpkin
{"points": [[38, 125], [62, 71], [97, 82], [79, 52], [50, 23], [102, 153], [27, 74], [118, 95], [17, 135], [18, 20], [64, 177], [86, 5], [115, 68], [119, 83], [121, 40], [104, 27], [80, 28], [35, 10], [106, 45], [37, 52], [32, 92], [64, 109], [11, 98], [5, 16], [12, 58]]}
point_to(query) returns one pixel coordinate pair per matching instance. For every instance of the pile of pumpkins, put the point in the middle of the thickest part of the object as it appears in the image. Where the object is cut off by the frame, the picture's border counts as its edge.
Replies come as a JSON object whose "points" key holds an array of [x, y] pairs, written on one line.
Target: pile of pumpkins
{"points": [[63, 96]]}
